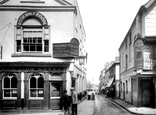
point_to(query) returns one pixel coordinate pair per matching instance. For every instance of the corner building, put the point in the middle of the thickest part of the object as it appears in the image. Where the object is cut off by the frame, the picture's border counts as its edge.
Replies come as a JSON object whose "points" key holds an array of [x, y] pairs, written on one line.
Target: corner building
{"points": [[41, 44], [137, 59]]}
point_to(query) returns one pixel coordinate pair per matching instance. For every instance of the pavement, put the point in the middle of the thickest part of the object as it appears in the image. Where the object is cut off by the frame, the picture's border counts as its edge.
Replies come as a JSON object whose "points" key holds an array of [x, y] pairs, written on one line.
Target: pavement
{"points": [[86, 107], [133, 109]]}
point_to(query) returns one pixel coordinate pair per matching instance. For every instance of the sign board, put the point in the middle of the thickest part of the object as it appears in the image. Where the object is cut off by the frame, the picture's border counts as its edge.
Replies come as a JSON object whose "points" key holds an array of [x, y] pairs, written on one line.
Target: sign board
{"points": [[148, 57], [31, 14], [66, 49], [138, 54]]}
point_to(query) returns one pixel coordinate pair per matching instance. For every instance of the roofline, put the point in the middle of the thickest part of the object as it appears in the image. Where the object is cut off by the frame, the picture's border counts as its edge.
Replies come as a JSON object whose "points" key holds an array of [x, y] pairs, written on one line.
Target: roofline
{"points": [[142, 8]]}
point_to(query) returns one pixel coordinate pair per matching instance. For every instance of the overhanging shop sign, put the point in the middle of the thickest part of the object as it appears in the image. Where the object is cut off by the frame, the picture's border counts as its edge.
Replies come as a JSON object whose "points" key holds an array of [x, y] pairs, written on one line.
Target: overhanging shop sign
{"points": [[65, 50]]}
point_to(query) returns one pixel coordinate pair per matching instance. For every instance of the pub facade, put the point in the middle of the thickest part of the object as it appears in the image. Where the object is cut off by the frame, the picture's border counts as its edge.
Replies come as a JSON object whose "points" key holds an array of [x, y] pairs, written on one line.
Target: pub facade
{"points": [[41, 45]]}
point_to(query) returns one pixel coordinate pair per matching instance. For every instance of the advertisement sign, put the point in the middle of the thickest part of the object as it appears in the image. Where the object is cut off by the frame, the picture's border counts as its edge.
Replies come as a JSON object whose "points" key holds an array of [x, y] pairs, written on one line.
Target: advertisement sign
{"points": [[138, 54], [148, 57], [66, 49]]}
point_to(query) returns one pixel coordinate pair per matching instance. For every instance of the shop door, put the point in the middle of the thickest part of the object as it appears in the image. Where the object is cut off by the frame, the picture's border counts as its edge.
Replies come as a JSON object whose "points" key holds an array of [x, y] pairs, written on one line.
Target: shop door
{"points": [[55, 95], [148, 93]]}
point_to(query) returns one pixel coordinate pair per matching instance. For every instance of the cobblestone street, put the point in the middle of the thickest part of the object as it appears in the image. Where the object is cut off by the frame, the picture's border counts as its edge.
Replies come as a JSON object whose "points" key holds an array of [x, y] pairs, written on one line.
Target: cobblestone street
{"points": [[104, 106]]}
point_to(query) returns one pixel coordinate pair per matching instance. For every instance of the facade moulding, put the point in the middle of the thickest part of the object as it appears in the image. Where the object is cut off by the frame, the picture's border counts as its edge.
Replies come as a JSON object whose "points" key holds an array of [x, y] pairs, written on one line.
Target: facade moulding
{"points": [[129, 72], [39, 8]]}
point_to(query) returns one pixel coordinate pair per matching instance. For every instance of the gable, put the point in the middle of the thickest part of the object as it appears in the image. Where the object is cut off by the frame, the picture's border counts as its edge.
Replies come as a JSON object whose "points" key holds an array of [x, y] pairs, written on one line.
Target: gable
{"points": [[150, 20]]}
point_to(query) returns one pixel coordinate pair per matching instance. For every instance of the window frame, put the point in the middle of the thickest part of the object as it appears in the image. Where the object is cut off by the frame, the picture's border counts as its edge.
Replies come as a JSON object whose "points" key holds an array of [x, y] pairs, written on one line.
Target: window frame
{"points": [[37, 76], [10, 76], [19, 29]]}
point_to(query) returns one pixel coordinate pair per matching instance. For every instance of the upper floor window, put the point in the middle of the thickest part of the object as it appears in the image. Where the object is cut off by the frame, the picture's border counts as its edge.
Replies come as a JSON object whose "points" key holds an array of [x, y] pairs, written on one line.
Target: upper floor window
{"points": [[9, 86], [32, 33], [36, 86]]}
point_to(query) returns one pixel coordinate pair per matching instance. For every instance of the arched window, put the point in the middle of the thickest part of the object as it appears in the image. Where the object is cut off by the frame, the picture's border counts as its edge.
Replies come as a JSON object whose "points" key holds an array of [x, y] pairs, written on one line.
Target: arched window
{"points": [[36, 87], [9, 86], [32, 33]]}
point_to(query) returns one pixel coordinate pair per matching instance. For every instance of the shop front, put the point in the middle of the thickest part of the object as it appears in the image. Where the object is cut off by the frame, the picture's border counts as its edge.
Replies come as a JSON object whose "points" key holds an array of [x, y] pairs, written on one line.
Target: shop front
{"points": [[143, 91], [37, 86]]}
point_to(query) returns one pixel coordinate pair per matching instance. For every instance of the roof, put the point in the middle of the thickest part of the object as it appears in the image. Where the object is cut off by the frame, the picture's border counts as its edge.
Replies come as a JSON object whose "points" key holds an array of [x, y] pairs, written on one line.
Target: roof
{"points": [[142, 8]]}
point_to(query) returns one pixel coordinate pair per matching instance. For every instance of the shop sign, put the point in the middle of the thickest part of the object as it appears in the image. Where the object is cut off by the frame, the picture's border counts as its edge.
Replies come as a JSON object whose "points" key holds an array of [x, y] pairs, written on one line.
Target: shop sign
{"points": [[65, 50], [27, 15], [138, 54], [148, 58], [56, 69]]}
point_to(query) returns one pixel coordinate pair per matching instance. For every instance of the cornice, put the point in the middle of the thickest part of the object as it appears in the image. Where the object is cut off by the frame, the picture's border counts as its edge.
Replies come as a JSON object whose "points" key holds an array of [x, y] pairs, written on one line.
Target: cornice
{"points": [[39, 8]]}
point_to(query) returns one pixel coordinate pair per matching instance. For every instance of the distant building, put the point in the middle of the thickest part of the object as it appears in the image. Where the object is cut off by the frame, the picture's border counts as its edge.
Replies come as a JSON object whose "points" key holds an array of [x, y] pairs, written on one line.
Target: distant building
{"points": [[137, 59], [111, 77], [42, 49]]}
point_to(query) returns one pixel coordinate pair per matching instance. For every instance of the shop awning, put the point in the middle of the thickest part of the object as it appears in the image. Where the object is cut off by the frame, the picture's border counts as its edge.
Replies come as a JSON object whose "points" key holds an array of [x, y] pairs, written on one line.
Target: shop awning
{"points": [[110, 82], [103, 87]]}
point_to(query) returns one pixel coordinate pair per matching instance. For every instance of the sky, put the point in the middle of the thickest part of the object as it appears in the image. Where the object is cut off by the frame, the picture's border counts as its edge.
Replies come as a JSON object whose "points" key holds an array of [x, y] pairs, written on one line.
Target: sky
{"points": [[106, 23]]}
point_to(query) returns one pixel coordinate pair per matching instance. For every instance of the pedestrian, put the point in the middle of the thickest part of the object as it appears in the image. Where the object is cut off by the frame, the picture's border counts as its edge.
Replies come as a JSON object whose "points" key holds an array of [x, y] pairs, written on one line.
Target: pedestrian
{"points": [[74, 101], [93, 95], [89, 93], [66, 102]]}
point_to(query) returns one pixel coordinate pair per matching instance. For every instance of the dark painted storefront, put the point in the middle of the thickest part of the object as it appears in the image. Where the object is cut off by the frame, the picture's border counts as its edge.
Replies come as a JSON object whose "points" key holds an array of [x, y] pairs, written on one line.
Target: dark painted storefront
{"points": [[43, 84]]}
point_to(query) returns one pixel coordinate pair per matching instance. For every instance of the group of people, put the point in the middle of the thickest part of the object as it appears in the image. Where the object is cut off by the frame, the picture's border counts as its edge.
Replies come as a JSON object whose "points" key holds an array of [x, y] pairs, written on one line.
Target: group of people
{"points": [[91, 94], [70, 104]]}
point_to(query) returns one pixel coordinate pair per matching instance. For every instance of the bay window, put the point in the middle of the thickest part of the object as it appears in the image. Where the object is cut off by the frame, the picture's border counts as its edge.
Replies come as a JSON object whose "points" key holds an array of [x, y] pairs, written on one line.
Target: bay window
{"points": [[32, 39]]}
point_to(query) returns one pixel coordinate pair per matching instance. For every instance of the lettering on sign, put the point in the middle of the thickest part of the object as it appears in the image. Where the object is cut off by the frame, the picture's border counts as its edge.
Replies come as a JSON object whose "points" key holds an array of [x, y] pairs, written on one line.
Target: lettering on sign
{"points": [[149, 54], [27, 15]]}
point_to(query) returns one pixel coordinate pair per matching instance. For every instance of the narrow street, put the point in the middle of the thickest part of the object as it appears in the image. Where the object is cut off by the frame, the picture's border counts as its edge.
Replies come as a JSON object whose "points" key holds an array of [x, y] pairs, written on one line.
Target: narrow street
{"points": [[104, 106]]}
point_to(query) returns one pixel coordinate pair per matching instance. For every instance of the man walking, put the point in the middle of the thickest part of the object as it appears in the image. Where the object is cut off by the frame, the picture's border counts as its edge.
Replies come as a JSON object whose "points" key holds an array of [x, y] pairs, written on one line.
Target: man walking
{"points": [[74, 101], [66, 102]]}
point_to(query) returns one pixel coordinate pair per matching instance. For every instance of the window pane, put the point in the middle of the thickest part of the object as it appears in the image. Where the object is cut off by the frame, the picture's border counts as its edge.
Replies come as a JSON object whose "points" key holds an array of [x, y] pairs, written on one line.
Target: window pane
{"points": [[32, 40], [13, 82], [40, 82], [6, 82], [39, 40], [33, 93], [39, 47], [25, 40], [32, 47], [33, 82], [18, 42], [40, 93], [46, 45], [6, 93], [39, 34], [25, 34], [26, 47], [55, 89], [14, 93]]}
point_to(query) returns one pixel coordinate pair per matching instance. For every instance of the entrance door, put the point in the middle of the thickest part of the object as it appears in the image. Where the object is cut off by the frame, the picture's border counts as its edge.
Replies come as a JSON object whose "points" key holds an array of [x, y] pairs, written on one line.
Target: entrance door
{"points": [[55, 95], [148, 93]]}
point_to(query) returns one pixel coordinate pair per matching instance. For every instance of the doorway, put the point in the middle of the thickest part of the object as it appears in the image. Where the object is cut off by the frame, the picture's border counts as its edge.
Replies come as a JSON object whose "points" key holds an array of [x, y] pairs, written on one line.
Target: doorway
{"points": [[148, 92], [55, 95]]}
